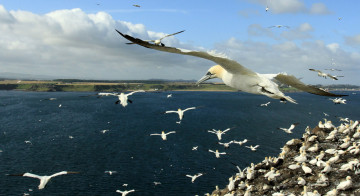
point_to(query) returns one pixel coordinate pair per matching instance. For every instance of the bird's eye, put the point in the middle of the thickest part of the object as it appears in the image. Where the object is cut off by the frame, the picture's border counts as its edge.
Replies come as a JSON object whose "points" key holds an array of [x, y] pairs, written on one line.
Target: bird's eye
{"points": [[209, 73]]}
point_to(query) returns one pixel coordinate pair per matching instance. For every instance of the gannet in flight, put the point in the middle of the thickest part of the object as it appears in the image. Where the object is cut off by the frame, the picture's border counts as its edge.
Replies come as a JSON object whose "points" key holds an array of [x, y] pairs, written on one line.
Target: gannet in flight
{"points": [[123, 98], [219, 132], [237, 76], [180, 112], [265, 104], [226, 145], [193, 178], [124, 193], [217, 153], [163, 134], [325, 75], [289, 130], [338, 101], [158, 41], [253, 148], [279, 26], [104, 131], [110, 172], [106, 94], [44, 179], [332, 69], [135, 5]]}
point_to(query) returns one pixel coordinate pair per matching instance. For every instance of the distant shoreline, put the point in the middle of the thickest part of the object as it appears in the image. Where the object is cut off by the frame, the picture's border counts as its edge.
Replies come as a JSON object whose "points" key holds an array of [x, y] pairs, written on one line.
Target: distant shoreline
{"points": [[152, 86]]}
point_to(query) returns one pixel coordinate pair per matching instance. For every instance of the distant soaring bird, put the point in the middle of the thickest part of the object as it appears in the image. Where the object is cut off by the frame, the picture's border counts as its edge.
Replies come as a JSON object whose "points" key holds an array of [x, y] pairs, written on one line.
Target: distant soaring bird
{"points": [[325, 75], [44, 179], [279, 26], [237, 76], [332, 69], [135, 5]]}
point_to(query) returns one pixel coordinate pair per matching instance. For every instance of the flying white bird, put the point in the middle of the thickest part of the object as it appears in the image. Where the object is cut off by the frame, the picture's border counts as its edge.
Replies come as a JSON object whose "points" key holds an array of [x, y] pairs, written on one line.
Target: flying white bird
{"points": [[325, 75], [124, 193], [193, 178], [237, 76], [158, 41], [180, 112], [265, 104], [338, 101], [110, 172], [217, 153], [332, 69], [289, 130], [44, 179], [219, 132], [163, 134], [253, 148], [106, 94], [169, 96], [123, 98], [104, 131], [226, 145]]}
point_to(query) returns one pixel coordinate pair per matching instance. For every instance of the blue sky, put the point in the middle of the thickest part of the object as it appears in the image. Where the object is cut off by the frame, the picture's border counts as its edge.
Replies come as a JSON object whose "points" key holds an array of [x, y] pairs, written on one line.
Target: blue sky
{"points": [[76, 39]]}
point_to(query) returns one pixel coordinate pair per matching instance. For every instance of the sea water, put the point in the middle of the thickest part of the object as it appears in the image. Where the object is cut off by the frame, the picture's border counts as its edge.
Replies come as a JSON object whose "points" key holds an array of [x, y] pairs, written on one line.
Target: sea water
{"points": [[68, 137]]}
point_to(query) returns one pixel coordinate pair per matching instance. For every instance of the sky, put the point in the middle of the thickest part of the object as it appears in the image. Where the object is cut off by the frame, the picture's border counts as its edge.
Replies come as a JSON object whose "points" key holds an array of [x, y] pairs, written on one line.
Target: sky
{"points": [[77, 38]]}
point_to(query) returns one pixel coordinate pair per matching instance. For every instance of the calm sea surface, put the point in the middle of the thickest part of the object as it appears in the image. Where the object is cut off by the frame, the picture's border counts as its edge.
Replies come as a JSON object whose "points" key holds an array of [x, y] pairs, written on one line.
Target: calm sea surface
{"points": [[128, 148]]}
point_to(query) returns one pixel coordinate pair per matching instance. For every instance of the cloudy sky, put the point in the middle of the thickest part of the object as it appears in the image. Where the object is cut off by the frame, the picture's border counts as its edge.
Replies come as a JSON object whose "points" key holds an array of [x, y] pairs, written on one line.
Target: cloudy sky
{"points": [[77, 39]]}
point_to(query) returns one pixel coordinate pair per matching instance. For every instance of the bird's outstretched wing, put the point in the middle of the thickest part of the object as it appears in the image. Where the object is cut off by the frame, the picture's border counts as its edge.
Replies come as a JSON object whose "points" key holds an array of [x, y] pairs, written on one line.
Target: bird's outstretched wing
{"points": [[166, 112], [228, 64], [315, 70], [61, 173], [172, 34], [31, 175], [296, 83], [135, 92], [192, 108]]}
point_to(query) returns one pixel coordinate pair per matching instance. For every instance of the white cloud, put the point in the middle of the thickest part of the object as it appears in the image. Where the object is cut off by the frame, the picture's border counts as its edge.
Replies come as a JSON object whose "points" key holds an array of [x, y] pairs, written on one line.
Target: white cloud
{"points": [[75, 44], [305, 27], [286, 6], [353, 40], [319, 8], [293, 33], [72, 43], [333, 47]]}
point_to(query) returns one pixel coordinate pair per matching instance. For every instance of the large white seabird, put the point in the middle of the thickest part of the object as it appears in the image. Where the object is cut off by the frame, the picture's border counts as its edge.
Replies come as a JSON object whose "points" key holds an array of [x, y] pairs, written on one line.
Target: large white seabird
{"points": [[237, 76]]}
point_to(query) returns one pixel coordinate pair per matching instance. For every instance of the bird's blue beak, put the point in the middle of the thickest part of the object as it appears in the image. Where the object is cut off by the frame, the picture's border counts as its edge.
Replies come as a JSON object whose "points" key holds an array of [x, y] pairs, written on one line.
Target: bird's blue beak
{"points": [[204, 78]]}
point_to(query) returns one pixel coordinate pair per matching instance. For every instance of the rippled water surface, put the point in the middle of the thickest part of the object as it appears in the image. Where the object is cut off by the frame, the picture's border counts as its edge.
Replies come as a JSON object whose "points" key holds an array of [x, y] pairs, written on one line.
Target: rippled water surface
{"points": [[128, 148]]}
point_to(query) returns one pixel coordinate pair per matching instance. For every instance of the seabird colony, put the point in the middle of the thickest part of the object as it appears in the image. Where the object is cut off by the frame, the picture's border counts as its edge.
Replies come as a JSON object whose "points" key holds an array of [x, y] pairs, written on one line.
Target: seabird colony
{"points": [[325, 161]]}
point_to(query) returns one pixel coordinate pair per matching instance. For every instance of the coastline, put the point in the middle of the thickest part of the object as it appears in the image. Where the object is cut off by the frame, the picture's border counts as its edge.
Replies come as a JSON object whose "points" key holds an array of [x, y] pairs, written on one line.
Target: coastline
{"points": [[56, 86]]}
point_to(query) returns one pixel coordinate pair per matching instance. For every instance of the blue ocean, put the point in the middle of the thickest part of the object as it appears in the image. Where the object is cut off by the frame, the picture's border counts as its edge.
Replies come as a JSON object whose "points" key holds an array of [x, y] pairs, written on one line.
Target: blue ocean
{"points": [[70, 138]]}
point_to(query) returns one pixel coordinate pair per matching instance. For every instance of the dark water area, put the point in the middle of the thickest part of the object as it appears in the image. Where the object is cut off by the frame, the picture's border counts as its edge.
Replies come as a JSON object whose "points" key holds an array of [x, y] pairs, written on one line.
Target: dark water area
{"points": [[128, 148]]}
